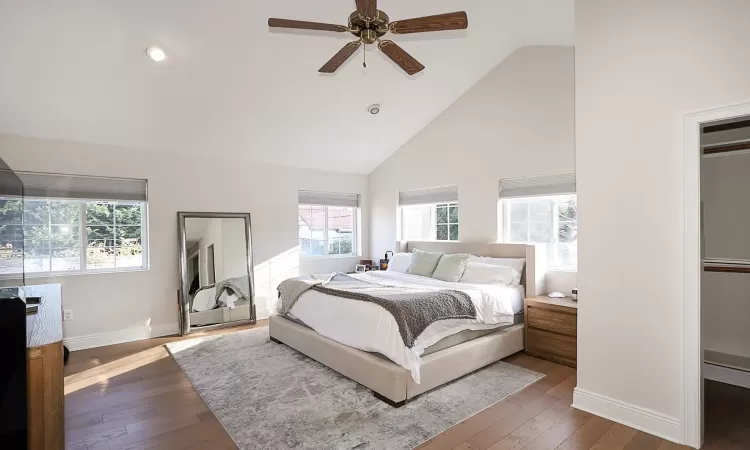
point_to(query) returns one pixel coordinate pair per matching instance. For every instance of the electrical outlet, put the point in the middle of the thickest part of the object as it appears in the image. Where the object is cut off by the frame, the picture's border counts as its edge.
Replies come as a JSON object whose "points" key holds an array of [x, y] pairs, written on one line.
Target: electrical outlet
{"points": [[68, 314]]}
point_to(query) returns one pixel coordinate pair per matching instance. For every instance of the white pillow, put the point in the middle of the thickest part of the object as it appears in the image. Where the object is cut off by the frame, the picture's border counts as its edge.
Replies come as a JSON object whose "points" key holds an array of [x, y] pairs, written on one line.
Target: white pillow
{"points": [[481, 273], [399, 262], [451, 267], [204, 300], [423, 263], [516, 264]]}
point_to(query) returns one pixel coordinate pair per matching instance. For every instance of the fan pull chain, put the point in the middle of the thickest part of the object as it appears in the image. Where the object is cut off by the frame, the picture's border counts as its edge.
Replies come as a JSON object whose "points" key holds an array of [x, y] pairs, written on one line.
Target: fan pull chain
{"points": [[364, 64]]}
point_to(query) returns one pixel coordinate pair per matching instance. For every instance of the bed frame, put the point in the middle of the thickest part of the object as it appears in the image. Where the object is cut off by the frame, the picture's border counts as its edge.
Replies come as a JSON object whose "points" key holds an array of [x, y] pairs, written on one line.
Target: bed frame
{"points": [[391, 382]]}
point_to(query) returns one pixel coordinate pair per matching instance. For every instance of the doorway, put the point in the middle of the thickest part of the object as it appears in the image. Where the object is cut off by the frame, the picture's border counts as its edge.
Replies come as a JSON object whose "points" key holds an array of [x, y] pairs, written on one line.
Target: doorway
{"points": [[194, 265], [210, 265], [712, 402]]}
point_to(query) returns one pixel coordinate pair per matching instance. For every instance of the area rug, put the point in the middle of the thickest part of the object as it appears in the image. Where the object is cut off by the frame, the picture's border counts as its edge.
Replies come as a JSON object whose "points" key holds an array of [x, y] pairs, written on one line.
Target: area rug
{"points": [[269, 396]]}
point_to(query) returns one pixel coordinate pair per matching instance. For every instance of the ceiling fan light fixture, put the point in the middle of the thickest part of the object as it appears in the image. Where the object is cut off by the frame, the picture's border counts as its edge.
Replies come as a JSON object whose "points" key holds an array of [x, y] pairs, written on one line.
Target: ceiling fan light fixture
{"points": [[156, 54], [369, 24]]}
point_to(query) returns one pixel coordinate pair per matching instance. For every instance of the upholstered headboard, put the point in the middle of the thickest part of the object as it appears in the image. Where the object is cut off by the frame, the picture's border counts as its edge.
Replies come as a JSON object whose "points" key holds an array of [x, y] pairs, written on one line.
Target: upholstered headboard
{"points": [[532, 274]]}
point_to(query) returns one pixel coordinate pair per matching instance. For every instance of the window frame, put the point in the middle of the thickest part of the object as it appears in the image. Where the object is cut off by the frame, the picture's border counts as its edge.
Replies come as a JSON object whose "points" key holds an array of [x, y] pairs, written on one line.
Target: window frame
{"points": [[326, 246], [433, 220], [82, 224], [555, 223]]}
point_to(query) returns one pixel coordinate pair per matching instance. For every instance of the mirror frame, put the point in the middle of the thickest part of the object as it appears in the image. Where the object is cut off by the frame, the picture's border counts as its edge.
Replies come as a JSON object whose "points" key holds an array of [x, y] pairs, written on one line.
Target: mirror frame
{"points": [[183, 299]]}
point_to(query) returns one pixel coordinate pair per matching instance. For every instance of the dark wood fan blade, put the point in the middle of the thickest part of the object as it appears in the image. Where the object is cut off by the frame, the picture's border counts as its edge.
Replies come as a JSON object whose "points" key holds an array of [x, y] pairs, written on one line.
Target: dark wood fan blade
{"points": [[302, 25], [442, 22], [400, 57], [340, 58], [368, 9]]}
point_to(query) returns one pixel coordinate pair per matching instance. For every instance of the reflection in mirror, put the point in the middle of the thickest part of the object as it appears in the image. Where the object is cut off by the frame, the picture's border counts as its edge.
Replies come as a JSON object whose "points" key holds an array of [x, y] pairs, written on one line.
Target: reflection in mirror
{"points": [[216, 271]]}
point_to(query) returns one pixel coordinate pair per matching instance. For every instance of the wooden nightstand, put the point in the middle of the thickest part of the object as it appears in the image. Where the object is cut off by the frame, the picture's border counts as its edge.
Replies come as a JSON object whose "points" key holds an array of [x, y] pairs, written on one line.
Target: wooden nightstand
{"points": [[551, 329]]}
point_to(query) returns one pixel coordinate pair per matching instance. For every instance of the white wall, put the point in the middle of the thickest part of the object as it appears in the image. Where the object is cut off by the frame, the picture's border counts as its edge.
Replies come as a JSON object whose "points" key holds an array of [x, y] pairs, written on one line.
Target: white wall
{"points": [[211, 236], [234, 248], [641, 65], [726, 213], [309, 266], [110, 303], [230, 249], [517, 121], [561, 281]]}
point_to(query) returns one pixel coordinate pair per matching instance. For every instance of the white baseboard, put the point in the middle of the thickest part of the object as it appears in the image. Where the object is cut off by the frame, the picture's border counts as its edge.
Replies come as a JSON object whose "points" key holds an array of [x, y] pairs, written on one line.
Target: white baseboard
{"points": [[633, 416], [133, 334], [726, 375], [120, 336]]}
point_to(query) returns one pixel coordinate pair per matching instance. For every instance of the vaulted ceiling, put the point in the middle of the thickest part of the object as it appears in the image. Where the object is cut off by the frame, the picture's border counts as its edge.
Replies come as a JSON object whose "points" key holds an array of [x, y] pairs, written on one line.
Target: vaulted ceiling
{"points": [[230, 87]]}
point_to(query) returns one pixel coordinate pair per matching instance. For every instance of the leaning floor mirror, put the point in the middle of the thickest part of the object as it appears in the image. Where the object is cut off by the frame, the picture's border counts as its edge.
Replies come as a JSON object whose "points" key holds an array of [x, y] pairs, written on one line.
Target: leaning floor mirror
{"points": [[216, 267]]}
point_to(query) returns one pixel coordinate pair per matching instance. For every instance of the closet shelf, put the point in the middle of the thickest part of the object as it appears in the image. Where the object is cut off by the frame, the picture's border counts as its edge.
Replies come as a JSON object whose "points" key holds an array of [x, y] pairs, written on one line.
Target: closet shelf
{"points": [[737, 362], [730, 269], [726, 265], [724, 148]]}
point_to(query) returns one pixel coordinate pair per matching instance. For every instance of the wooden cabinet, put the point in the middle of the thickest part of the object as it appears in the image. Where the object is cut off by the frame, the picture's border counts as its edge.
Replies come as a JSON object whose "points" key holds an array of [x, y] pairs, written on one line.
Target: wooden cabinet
{"points": [[551, 329], [44, 369], [45, 394]]}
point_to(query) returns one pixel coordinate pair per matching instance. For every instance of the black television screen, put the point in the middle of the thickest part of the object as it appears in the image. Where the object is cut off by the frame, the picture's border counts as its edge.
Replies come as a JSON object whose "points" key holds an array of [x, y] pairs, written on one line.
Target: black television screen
{"points": [[13, 417], [13, 406]]}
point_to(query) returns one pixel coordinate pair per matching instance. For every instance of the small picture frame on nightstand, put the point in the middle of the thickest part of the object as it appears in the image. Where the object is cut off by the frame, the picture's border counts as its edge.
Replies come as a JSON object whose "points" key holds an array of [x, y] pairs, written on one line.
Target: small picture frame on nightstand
{"points": [[360, 268]]}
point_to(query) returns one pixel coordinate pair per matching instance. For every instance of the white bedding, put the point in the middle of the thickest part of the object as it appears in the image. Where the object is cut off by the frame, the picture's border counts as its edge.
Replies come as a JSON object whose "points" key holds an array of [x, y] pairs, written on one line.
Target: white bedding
{"points": [[369, 327], [205, 300]]}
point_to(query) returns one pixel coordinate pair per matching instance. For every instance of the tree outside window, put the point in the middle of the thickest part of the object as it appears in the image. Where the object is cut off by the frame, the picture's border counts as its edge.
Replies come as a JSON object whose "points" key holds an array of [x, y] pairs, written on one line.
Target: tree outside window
{"points": [[60, 236], [545, 220], [327, 230], [432, 222]]}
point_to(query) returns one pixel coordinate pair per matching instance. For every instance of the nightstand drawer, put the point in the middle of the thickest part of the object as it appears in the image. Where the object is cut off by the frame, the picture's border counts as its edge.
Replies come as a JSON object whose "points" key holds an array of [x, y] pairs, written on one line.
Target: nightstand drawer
{"points": [[552, 320], [552, 329], [551, 346]]}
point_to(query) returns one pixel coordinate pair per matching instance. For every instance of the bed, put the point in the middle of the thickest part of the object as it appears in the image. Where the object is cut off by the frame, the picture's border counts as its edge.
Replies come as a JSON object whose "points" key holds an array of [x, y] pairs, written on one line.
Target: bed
{"points": [[206, 309], [222, 314], [361, 341]]}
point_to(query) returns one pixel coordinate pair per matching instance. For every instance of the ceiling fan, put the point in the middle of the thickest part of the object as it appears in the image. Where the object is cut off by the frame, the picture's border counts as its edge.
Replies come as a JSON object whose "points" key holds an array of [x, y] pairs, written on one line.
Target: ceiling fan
{"points": [[369, 25]]}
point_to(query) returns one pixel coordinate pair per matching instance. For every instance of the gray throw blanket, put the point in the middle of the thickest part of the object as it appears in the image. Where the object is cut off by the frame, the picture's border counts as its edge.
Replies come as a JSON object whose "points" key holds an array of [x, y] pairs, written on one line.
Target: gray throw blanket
{"points": [[413, 308], [240, 286], [290, 290]]}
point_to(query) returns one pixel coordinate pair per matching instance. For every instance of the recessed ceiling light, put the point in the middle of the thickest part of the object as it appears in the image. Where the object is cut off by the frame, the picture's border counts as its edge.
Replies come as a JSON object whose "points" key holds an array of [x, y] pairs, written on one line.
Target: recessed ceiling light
{"points": [[156, 54], [373, 109]]}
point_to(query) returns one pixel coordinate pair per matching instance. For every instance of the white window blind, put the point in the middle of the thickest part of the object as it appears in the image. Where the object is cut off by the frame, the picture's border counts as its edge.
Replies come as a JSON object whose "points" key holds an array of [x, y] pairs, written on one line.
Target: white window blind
{"points": [[447, 194], [558, 184], [48, 185], [328, 199]]}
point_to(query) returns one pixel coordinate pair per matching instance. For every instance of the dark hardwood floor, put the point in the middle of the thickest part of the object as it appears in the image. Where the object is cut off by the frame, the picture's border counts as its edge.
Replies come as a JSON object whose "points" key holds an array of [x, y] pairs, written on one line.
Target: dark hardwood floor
{"points": [[727, 416], [134, 396]]}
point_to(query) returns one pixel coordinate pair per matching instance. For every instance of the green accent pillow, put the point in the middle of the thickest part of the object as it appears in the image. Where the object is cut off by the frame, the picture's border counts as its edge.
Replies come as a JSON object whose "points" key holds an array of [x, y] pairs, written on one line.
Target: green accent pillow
{"points": [[423, 263], [451, 267]]}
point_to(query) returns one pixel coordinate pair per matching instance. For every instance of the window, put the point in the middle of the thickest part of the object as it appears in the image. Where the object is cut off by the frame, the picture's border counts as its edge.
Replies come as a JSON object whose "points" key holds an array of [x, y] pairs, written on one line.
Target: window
{"points": [[327, 230], [435, 222], [55, 236], [545, 220]]}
